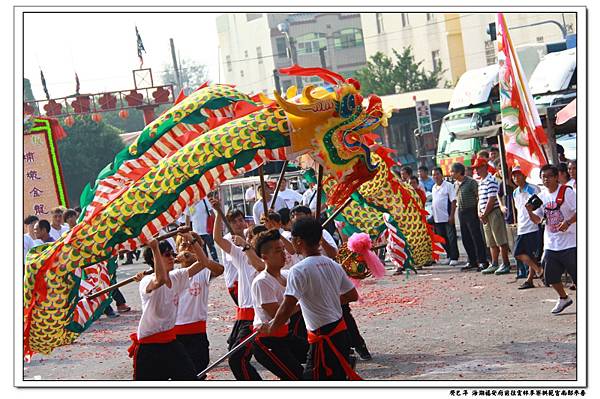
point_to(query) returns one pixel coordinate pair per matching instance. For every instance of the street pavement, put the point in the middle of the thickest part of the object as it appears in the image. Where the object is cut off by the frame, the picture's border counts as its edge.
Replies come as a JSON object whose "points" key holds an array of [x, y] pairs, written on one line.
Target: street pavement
{"points": [[441, 324]]}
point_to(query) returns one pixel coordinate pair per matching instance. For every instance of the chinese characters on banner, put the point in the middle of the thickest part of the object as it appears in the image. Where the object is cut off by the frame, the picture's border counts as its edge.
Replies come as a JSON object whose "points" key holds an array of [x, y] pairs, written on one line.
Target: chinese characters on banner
{"points": [[43, 188]]}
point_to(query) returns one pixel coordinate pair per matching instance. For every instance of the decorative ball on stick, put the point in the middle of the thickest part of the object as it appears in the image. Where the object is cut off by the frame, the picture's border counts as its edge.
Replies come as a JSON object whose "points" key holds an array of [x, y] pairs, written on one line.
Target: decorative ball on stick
{"points": [[96, 117], [69, 121]]}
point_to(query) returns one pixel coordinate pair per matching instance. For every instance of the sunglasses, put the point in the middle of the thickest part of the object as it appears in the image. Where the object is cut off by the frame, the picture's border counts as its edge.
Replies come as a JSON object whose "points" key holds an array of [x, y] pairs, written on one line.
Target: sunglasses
{"points": [[170, 253]]}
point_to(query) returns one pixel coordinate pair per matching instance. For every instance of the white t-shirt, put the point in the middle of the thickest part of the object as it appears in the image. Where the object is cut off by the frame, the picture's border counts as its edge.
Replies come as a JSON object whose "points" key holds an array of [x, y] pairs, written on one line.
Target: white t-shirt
{"points": [[159, 307], [246, 274], [554, 239], [329, 238], [524, 223], [266, 289], [230, 273], [441, 196], [571, 183], [56, 234], [250, 194], [290, 197], [317, 283], [258, 209], [193, 302], [309, 200], [199, 216], [28, 243]]}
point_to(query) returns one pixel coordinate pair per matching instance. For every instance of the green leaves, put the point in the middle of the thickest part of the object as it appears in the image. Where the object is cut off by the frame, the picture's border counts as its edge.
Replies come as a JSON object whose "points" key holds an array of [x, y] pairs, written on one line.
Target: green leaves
{"points": [[383, 75]]}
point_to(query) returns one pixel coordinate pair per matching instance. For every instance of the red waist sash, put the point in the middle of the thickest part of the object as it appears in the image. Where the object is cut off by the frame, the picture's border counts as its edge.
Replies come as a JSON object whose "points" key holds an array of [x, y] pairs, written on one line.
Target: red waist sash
{"points": [[320, 339], [198, 327], [244, 314]]}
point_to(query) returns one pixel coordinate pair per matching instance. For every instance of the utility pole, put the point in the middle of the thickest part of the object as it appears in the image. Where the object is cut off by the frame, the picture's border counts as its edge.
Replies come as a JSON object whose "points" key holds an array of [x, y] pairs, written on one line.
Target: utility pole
{"points": [[322, 56], [277, 81], [175, 66]]}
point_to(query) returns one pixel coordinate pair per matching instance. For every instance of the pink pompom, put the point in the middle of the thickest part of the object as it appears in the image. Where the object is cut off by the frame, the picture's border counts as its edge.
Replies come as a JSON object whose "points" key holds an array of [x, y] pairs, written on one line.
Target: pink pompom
{"points": [[359, 243]]}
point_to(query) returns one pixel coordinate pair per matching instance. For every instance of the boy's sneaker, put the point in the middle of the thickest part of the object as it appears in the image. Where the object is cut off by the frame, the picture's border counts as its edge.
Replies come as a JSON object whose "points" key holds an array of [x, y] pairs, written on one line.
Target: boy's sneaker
{"points": [[561, 304], [444, 262], [454, 263], [491, 269], [504, 269]]}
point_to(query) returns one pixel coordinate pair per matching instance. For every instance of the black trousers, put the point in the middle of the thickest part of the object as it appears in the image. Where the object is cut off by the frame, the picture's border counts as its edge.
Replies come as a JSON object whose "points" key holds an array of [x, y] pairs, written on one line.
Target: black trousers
{"points": [[209, 246], [297, 337], [161, 362], [356, 340], [314, 370], [239, 362], [196, 346], [448, 231], [276, 355], [472, 237], [118, 297]]}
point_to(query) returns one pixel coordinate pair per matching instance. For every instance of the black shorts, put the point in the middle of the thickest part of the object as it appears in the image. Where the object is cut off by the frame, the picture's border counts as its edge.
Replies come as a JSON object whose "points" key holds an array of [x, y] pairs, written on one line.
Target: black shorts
{"points": [[528, 244], [557, 262]]}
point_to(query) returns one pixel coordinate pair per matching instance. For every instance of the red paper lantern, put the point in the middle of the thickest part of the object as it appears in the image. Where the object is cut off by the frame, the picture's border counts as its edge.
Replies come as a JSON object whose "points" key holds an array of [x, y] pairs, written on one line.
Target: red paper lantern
{"points": [[96, 118], [123, 114], [69, 121]]}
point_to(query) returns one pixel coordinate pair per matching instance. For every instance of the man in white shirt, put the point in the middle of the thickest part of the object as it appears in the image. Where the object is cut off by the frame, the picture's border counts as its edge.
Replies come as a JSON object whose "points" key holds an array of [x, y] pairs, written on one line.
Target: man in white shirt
{"points": [[250, 194], [247, 268], [258, 208], [29, 239], [572, 169], [559, 209], [320, 285], [41, 229], [57, 227], [190, 326], [309, 198], [529, 236], [275, 351], [289, 196], [443, 208], [157, 354], [199, 217], [330, 249]]}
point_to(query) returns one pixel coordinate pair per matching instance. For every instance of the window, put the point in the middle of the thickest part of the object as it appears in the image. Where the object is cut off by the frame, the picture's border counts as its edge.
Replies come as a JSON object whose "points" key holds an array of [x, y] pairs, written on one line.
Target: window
{"points": [[252, 16], [379, 18], [245, 53], [435, 57], [540, 39], [430, 17], [228, 61], [347, 38], [490, 53], [242, 73], [259, 54], [311, 43], [404, 19], [281, 47]]}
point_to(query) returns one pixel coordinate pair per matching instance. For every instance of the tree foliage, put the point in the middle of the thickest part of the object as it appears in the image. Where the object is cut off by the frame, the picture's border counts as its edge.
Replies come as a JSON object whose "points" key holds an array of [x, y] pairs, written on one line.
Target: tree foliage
{"points": [[192, 74], [384, 75], [87, 149]]}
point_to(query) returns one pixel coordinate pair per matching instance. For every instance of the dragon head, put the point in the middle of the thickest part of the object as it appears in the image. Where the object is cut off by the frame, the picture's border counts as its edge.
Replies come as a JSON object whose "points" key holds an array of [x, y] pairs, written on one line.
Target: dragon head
{"points": [[333, 127]]}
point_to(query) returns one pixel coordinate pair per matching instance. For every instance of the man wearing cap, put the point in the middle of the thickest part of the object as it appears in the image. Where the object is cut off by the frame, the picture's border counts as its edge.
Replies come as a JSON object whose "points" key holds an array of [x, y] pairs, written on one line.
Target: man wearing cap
{"points": [[529, 236], [494, 227]]}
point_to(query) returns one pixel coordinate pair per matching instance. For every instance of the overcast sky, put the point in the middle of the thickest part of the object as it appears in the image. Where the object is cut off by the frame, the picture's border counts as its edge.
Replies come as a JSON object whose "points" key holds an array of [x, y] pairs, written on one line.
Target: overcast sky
{"points": [[102, 48]]}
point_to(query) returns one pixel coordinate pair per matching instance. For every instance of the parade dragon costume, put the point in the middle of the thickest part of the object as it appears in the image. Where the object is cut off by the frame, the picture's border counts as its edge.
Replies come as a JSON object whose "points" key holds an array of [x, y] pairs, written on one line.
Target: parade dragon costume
{"points": [[214, 134]]}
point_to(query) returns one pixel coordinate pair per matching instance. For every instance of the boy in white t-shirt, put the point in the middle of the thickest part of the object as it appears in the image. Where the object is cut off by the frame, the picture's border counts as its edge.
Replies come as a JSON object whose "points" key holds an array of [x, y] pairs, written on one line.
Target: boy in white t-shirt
{"points": [[272, 351], [190, 326], [559, 209], [157, 355], [320, 285], [247, 264]]}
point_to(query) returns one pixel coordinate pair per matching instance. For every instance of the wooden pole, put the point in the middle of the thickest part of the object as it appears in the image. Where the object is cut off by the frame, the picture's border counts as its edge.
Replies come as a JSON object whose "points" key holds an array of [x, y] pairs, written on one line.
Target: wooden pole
{"points": [[337, 211], [225, 356], [220, 212], [278, 186], [261, 174], [115, 286], [319, 189]]}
